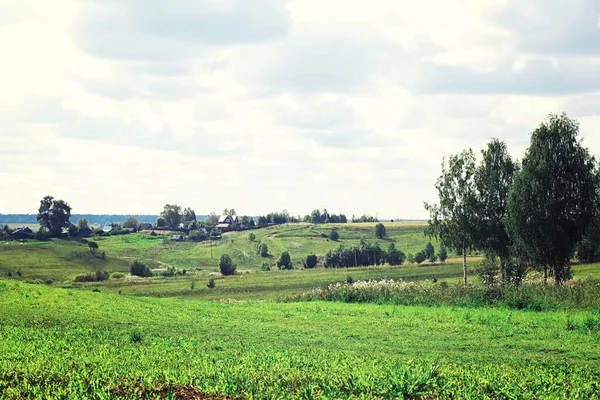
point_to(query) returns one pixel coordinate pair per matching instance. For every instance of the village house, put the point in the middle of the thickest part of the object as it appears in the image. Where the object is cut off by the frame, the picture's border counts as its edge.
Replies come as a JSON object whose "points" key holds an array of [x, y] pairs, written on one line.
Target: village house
{"points": [[23, 233], [228, 223]]}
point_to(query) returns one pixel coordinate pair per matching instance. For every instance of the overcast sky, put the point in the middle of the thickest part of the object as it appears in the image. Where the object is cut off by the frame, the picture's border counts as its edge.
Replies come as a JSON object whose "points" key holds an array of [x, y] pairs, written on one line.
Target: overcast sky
{"points": [[121, 106]]}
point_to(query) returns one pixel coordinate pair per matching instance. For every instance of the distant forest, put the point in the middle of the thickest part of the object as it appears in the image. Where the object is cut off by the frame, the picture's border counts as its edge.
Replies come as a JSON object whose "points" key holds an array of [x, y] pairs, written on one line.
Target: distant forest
{"points": [[93, 219]]}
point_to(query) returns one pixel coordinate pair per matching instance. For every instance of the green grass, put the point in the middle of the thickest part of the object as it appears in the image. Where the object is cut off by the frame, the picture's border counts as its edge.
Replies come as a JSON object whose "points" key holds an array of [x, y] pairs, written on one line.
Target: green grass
{"points": [[59, 343]]}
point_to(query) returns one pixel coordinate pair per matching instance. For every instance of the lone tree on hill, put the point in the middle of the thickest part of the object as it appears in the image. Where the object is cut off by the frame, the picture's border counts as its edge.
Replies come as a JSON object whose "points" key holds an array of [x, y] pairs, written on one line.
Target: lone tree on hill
{"points": [[54, 215], [284, 262], [454, 220], [554, 197], [131, 222], [226, 265], [493, 179], [380, 230]]}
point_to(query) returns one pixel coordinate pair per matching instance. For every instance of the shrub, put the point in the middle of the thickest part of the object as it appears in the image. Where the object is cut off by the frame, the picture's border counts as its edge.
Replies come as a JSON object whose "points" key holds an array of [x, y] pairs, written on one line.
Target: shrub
{"points": [[192, 285], [117, 275], [252, 237], [266, 267], [311, 261], [380, 231], [43, 234], [443, 254], [170, 271], [19, 272], [197, 236], [420, 257], [211, 283], [96, 276], [263, 250], [334, 235], [136, 336], [488, 270], [226, 265], [394, 256], [96, 290], [138, 268], [285, 261]]}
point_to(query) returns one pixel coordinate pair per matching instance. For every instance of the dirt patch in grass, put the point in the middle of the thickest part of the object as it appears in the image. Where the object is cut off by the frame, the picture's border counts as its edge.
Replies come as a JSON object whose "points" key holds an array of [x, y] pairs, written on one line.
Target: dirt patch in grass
{"points": [[188, 392]]}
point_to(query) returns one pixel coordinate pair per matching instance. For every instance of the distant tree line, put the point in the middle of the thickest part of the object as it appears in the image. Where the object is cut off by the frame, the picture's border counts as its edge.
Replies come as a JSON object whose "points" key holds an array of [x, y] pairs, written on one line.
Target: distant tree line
{"points": [[93, 219], [533, 214], [318, 217]]}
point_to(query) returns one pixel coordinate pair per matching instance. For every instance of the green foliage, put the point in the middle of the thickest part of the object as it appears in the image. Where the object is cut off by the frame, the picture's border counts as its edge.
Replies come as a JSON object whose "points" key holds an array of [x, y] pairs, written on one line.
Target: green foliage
{"points": [[72, 231], [365, 254], [117, 275], [394, 256], [334, 235], [454, 220], [429, 250], [443, 253], [554, 197], [197, 236], [226, 266], [96, 276], [251, 237], [493, 179], [131, 222], [92, 245], [138, 268], [54, 215], [161, 222], [189, 216], [43, 234], [420, 257], [380, 231], [211, 283], [311, 261], [488, 271], [263, 250], [136, 335], [172, 215], [285, 262]]}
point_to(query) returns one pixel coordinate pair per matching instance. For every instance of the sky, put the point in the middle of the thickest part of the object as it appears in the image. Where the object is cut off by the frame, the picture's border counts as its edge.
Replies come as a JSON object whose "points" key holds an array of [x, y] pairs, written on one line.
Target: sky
{"points": [[122, 106]]}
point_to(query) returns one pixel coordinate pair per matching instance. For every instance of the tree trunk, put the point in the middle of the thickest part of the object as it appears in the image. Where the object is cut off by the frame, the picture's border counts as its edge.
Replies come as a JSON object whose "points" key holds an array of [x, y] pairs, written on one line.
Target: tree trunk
{"points": [[557, 275], [465, 267], [545, 274]]}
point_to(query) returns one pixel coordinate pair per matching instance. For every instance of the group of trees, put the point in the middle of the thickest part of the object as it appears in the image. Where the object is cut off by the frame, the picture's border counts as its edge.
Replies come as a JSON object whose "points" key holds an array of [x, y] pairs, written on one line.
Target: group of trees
{"points": [[364, 218], [363, 255], [529, 214], [316, 217], [428, 254]]}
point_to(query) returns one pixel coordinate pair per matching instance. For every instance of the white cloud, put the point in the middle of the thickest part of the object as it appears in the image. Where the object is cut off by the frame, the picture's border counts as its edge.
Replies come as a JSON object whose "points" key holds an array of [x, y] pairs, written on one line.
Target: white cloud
{"points": [[121, 107]]}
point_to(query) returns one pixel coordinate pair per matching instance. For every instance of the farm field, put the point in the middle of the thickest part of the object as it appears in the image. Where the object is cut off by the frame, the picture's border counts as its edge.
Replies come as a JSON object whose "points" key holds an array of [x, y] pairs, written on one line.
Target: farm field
{"points": [[71, 343]]}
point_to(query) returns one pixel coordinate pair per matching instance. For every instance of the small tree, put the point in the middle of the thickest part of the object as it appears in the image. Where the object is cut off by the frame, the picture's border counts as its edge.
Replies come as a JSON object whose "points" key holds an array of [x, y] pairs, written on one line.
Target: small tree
{"points": [[72, 231], [334, 235], [420, 257], [138, 268], [226, 266], [380, 231], [263, 250], [311, 261], [252, 237], [394, 256], [93, 246], [131, 222], [454, 220], [83, 227], [443, 254], [429, 250], [284, 262], [161, 222], [211, 283], [172, 215]]}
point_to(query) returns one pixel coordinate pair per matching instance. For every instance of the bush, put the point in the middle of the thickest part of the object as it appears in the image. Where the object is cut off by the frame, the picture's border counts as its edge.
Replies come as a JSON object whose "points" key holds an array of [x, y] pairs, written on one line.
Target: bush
{"points": [[96, 276], [394, 256], [380, 231], [170, 271], [311, 261], [420, 257], [263, 250], [117, 275], [211, 283], [251, 237], [192, 285], [138, 268], [488, 271], [43, 234], [443, 254], [285, 261], [226, 265], [197, 236], [334, 235]]}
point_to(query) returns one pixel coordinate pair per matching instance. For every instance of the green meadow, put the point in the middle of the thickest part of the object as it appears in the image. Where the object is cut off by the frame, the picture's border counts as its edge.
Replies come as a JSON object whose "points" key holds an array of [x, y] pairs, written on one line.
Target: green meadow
{"points": [[64, 343], [264, 334]]}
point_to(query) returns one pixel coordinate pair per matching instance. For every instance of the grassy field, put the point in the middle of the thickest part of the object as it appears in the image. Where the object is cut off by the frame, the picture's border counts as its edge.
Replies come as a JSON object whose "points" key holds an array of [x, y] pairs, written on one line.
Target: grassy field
{"points": [[62, 343], [173, 337], [61, 259]]}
